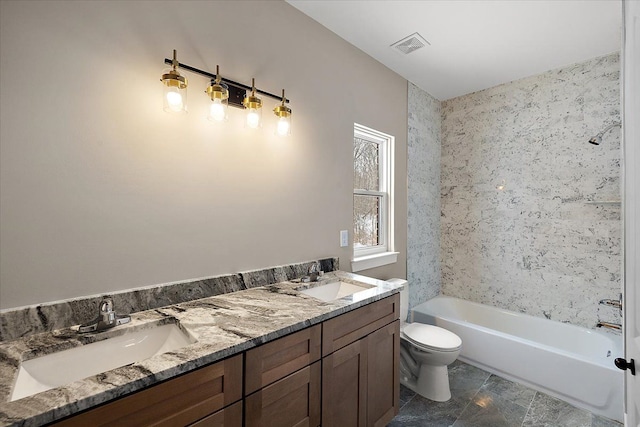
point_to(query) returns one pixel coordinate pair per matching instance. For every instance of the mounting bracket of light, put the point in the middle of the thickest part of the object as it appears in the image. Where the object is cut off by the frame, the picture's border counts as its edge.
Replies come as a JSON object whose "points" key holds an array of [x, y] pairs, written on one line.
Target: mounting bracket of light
{"points": [[237, 91]]}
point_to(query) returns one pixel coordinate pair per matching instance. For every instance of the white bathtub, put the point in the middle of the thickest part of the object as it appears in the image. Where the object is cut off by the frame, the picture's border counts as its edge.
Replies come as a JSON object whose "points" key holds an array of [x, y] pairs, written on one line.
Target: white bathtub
{"points": [[566, 361]]}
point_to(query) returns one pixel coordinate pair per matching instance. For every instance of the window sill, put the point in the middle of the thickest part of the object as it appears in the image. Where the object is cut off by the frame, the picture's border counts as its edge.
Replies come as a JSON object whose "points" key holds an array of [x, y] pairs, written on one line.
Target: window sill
{"points": [[372, 261]]}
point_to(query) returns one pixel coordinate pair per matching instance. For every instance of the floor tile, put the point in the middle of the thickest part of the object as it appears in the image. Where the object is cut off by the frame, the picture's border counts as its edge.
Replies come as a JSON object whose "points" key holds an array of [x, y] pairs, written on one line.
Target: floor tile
{"points": [[405, 395], [480, 399], [465, 380], [488, 409], [424, 412], [513, 392], [547, 411]]}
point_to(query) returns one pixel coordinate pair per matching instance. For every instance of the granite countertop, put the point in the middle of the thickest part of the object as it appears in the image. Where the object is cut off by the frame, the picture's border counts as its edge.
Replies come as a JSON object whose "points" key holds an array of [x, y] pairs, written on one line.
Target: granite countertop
{"points": [[222, 325]]}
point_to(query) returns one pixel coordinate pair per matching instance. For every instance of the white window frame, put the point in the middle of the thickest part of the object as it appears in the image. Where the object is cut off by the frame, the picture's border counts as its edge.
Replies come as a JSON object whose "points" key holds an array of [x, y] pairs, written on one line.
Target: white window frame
{"points": [[381, 254]]}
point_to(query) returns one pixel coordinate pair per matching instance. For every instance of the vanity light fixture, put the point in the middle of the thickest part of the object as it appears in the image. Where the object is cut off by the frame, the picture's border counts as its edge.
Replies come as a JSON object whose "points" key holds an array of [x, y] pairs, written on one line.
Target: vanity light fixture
{"points": [[219, 94], [223, 93], [253, 104], [283, 128], [175, 88]]}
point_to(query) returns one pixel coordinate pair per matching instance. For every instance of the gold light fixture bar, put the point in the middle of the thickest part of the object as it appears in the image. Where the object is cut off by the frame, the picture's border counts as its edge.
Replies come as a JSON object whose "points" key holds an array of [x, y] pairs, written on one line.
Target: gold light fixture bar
{"points": [[232, 84]]}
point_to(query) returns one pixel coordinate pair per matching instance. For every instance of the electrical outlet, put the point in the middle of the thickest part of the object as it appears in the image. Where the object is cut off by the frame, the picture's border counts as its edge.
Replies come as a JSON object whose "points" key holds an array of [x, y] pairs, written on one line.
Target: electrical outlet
{"points": [[344, 238]]}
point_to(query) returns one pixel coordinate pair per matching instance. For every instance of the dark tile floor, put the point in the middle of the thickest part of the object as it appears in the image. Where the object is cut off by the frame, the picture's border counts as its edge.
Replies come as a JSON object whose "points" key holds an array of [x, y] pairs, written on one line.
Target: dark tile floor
{"points": [[480, 399]]}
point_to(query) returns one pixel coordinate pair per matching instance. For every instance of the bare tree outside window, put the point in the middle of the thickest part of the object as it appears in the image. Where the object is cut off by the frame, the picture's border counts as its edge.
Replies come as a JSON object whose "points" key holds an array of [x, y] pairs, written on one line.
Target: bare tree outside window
{"points": [[366, 208], [366, 165]]}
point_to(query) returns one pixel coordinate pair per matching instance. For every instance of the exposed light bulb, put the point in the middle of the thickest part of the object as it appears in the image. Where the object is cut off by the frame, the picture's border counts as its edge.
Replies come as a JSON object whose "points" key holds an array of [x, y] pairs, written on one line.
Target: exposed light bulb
{"points": [[216, 111], [253, 118], [175, 88], [174, 101], [283, 126]]}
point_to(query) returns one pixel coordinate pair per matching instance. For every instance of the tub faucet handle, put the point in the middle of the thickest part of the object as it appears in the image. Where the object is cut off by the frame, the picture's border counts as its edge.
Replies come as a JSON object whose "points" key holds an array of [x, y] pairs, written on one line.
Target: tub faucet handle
{"points": [[608, 325]]}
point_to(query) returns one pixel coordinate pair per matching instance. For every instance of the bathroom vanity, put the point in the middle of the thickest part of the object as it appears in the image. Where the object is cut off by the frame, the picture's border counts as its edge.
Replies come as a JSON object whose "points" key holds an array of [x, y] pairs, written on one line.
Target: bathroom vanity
{"points": [[265, 356]]}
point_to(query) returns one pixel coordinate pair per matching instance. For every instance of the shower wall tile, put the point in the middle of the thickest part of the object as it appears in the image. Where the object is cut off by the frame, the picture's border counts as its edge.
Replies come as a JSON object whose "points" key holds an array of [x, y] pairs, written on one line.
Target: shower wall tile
{"points": [[423, 245], [516, 175]]}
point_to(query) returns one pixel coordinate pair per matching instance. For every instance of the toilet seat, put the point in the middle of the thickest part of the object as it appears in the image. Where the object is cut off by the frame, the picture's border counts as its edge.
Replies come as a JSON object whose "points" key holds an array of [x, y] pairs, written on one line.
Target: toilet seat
{"points": [[431, 337]]}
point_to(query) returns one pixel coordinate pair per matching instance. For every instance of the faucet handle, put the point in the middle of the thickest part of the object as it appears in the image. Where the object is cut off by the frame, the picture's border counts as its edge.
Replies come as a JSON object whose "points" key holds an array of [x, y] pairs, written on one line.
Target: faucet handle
{"points": [[106, 305], [106, 319]]}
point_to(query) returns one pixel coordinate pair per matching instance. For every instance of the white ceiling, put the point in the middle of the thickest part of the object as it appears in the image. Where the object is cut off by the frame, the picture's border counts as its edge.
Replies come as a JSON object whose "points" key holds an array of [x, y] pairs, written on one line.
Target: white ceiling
{"points": [[474, 44]]}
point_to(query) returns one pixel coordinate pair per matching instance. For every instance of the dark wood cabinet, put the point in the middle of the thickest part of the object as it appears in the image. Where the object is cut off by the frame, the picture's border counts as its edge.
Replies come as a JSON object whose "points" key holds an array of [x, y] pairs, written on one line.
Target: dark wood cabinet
{"points": [[291, 401], [277, 359], [343, 372], [360, 383], [176, 402], [283, 383], [383, 383], [356, 324], [344, 386], [231, 416]]}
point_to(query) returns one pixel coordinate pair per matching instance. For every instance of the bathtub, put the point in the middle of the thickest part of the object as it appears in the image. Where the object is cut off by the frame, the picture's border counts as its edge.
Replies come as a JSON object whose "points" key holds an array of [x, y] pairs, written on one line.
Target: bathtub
{"points": [[565, 361]]}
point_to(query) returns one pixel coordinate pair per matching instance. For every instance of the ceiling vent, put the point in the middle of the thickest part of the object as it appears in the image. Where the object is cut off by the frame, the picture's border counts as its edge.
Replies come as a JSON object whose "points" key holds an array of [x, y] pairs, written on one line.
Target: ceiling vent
{"points": [[410, 43]]}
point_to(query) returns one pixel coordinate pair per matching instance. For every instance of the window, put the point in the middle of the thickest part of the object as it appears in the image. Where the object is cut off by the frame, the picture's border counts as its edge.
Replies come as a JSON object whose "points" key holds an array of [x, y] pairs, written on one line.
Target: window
{"points": [[372, 199]]}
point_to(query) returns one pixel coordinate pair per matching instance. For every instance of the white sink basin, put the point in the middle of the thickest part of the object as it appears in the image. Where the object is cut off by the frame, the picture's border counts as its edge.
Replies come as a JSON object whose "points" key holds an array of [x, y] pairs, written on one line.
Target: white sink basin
{"points": [[335, 290], [64, 367]]}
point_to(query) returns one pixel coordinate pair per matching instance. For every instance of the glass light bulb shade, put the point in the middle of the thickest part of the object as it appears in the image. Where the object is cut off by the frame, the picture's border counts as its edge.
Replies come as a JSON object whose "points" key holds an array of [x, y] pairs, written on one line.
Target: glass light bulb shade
{"points": [[175, 99], [283, 128], [254, 116], [218, 110]]}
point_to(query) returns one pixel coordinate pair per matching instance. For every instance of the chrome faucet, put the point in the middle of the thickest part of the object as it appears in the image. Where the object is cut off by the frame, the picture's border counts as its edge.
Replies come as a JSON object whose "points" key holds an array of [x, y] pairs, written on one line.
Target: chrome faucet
{"points": [[313, 272], [107, 318], [615, 326]]}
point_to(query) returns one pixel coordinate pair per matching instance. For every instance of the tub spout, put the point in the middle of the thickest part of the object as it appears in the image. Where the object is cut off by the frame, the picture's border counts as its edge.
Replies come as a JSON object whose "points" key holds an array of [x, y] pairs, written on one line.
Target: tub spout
{"points": [[609, 325], [612, 302]]}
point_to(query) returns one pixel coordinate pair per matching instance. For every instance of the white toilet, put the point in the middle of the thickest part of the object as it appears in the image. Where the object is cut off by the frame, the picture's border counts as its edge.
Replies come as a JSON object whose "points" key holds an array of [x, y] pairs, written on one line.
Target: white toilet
{"points": [[425, 352]]}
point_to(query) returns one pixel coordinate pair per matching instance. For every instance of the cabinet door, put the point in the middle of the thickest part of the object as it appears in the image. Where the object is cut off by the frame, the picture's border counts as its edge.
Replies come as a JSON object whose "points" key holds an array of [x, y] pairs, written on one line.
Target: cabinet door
{"points": [[383, 350], [231, 416], [292, 401], [344, 387], [176, 402]]}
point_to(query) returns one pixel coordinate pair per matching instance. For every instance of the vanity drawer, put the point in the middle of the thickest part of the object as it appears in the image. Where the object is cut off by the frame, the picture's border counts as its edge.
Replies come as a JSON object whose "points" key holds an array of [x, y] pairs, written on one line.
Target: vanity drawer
{"points": [[291, 401], [277, 359], [179, 401], [350, 327], [231, 416]]}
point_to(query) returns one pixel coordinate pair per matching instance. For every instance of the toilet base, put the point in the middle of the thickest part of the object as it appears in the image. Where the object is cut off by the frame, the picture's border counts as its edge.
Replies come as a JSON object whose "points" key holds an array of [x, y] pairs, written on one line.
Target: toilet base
{"points": [[432, 383]]}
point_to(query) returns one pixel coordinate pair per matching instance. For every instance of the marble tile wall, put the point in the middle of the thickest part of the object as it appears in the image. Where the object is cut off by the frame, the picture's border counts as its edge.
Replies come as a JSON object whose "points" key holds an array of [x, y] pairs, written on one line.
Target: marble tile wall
{"points": [[25, 321], [423, 169], [517, 176]]}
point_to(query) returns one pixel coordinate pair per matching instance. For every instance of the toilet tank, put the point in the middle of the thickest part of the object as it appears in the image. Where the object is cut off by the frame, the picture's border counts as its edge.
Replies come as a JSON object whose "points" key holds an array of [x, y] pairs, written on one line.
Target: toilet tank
{"points": [[404, 297]]}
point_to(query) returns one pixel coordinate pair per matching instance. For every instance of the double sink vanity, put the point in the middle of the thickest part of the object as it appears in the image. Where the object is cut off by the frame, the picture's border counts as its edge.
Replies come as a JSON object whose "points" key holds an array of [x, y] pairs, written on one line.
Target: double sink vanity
{"points": [[285, 354]]}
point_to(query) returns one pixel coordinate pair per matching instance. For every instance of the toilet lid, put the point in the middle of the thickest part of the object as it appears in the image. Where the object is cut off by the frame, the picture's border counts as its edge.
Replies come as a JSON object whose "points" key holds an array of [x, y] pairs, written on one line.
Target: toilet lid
{"points": [[431, 336]]}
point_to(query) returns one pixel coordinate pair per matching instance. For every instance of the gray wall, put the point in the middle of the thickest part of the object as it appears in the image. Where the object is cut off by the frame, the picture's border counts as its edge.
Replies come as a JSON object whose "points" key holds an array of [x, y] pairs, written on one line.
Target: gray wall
{"points": [[100, 190], [535, 246], [423, 208]]}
